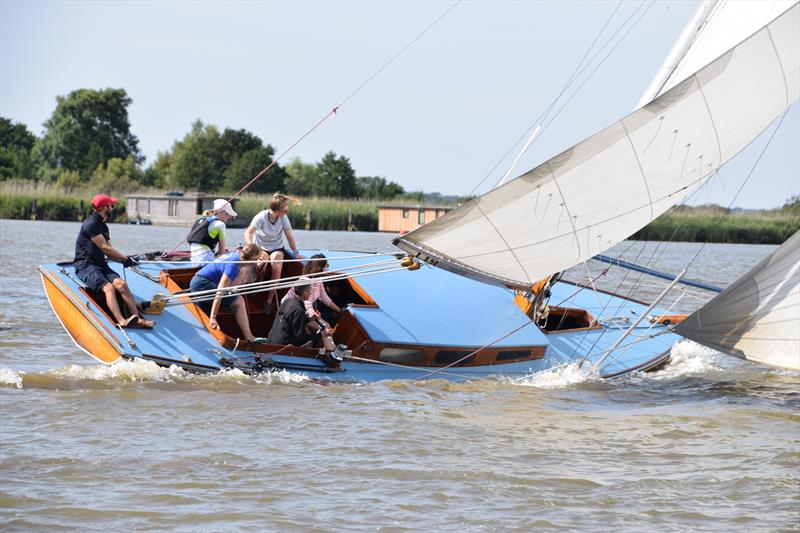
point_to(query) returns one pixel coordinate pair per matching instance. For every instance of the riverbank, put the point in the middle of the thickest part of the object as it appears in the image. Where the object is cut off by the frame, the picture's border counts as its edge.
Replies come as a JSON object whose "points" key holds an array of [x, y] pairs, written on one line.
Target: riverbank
{"points": [[684, 224]]}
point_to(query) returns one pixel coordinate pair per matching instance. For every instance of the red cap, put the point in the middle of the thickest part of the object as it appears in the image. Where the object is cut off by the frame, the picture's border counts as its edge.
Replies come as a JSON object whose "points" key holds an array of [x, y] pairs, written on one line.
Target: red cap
{"points": [[102, 200]]}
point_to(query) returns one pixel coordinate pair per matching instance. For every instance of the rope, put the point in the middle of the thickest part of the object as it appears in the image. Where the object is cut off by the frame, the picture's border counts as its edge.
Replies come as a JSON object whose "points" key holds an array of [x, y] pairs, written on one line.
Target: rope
{"points": [[211, 294], [336, 108], [276, 283], [573, 361], [327, 259], [577, 72], [405, 367], [526, 324]]}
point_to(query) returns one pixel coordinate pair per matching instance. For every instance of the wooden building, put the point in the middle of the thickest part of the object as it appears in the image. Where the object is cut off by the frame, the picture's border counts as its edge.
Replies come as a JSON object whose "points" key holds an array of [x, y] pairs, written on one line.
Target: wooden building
{"points": [[171, 209], [402, 218]]}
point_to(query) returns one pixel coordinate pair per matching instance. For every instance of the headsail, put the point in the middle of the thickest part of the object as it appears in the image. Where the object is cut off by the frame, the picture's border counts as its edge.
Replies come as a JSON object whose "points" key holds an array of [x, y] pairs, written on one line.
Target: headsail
{"points": [[758, 317], [599, 192]]}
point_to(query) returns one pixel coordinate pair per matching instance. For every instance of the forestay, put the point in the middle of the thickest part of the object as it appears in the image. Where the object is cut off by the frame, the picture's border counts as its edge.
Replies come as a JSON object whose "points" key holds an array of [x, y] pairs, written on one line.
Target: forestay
{"points": [[758, 317], [599, 192]]}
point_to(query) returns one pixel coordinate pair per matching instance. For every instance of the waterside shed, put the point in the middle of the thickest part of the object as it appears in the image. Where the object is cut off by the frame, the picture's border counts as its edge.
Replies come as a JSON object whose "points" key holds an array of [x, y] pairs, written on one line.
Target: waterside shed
{"points": [[170, 209], [397, 218]]}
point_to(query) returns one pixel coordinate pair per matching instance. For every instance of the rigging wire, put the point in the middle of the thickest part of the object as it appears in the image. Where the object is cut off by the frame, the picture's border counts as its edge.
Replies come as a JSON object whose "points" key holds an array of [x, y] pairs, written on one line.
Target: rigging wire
{"points": [[580, 68], [338, 106]]}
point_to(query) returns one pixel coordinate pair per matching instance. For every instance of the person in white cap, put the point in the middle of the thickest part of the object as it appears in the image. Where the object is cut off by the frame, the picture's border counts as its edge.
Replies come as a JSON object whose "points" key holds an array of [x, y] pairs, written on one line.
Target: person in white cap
{"points": [[208, 232]]}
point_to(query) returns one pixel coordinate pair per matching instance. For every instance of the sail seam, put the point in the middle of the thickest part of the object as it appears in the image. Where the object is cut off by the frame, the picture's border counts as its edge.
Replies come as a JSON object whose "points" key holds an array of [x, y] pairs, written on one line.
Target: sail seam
{"points": [[713, 123], [569, 214], [502, 238], [641, 169], [780, 64], [556, 237]]}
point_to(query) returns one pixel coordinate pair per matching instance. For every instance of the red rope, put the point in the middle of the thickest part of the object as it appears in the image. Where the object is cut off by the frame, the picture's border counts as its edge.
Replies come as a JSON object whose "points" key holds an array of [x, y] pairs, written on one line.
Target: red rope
{"points": [[272, 164], [275, 161]]}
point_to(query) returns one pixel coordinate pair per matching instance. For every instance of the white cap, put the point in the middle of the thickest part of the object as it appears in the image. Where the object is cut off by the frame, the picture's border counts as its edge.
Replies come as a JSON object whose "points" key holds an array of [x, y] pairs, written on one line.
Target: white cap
{"points": [[224, 206]]}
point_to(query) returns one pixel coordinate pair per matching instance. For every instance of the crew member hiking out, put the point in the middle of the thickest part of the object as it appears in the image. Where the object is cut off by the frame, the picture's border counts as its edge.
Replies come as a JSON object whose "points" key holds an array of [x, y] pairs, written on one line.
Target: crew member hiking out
{"points": [[91, 248]]}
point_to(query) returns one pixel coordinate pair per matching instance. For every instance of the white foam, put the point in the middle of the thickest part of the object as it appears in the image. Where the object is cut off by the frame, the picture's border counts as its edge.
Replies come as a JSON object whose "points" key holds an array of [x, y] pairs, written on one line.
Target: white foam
{"points": [[558, 377], [689, 358], [123, 370], [11, 378]]}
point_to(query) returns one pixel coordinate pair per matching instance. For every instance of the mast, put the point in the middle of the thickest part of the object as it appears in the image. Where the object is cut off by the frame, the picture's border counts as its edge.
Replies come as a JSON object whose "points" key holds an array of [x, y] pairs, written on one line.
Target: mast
{"points": [[679, 49]]}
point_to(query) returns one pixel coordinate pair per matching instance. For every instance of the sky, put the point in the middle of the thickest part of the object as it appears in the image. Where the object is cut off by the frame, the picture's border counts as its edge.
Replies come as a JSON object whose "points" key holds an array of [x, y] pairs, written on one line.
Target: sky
{"points": [[437, 116]]}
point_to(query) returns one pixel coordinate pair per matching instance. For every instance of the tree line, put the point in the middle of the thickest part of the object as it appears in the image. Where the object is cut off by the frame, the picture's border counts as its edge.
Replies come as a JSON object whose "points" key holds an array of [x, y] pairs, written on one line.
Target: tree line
{"points": [[87, 141]]}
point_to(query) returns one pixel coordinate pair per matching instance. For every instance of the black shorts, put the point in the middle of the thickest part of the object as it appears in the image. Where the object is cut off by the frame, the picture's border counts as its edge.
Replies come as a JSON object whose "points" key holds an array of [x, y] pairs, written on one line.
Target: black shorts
{"points": [[94, 276], [281, 250]]}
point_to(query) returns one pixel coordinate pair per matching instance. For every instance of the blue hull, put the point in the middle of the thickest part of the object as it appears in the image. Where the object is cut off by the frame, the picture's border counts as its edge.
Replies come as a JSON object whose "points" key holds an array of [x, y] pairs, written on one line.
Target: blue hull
{"points": [[427, 310]]}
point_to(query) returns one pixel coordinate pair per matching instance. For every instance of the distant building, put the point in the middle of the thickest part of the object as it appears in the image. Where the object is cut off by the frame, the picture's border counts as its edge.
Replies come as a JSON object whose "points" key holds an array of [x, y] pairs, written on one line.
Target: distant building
{"points": [[397, 218], [171, 209]]}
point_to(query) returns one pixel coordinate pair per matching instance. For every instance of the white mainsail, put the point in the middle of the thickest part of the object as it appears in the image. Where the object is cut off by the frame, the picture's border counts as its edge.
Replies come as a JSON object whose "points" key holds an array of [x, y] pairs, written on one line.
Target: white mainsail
{"points": [[602, 190], [758, 317]]}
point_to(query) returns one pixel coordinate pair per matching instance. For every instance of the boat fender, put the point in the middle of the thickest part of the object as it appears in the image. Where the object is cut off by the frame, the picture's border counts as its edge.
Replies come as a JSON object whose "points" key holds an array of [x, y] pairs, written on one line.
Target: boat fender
{"points": [[155, 306]]}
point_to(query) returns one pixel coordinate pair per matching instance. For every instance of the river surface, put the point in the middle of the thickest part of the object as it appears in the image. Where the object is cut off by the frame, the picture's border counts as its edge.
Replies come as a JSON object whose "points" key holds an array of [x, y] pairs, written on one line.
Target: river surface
{"points": [[711, 443]]}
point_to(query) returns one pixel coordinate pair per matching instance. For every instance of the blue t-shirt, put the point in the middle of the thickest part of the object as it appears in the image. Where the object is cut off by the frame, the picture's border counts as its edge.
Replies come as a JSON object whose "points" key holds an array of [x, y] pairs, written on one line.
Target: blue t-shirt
{"points": [[214, 271], [86, 251]]}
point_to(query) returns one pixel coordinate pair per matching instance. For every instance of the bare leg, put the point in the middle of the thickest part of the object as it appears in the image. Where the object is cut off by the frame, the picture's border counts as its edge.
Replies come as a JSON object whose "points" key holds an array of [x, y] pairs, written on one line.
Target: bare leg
{"points": [[111, 300], [127, 296], [240, 313], [328, 343], [277, 268]]}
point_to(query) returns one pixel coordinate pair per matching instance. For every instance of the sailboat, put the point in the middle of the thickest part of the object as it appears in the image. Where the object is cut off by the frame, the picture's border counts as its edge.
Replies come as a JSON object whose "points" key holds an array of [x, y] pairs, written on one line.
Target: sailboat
{"points": [[479, 292]]}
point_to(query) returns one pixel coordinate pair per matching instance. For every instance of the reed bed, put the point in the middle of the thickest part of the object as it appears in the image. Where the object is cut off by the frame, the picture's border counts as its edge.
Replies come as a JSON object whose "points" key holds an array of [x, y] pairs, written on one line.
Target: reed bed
{"points": [[714, 225], [318, 213], [39, 201]]}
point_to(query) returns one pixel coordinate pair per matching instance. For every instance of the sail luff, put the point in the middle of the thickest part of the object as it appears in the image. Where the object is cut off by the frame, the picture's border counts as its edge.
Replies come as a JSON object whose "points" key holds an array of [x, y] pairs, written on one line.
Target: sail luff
{"points": [[678, 51], [597, 193]]}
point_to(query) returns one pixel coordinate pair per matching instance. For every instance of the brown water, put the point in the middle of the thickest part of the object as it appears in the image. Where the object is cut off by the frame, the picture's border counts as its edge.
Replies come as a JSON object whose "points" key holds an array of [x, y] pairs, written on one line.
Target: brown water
{"points": [[711, 443]]}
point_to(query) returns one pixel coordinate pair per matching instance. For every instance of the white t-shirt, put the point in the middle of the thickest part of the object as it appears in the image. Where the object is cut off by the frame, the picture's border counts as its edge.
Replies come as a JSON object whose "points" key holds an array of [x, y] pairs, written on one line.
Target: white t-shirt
{"points": [[269, 236]]}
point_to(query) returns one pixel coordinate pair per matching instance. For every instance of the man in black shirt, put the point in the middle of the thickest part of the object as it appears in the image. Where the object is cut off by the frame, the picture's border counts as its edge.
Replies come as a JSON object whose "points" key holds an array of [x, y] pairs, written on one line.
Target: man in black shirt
{"points": [[293, 326], [91, 248]]}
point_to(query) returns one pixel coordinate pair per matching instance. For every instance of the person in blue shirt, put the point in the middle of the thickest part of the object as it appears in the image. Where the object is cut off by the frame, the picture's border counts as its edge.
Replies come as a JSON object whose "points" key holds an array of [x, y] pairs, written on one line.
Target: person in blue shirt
{"points": [[91, 248], [223, 273]]}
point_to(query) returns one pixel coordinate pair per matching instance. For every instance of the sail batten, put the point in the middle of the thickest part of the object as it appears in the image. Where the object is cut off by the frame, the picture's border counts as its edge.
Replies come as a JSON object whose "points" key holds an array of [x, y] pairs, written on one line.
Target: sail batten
{"points": [[599, 192]]}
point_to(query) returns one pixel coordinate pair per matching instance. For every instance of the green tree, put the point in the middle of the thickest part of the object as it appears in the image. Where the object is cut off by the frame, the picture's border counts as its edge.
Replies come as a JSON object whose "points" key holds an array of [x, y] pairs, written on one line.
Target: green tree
{"points": [[159, 174], [16, 143], [247, 165], [792, 206], [87, 128], [374, 187], [299, 177], [234, 143], [197, 160], [117, 176], [335, 177]]}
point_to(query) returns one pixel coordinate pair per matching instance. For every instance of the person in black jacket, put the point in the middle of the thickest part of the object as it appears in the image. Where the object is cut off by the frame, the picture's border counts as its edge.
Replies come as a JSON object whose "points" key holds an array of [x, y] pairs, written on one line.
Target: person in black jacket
{"points": [[293, 326]]}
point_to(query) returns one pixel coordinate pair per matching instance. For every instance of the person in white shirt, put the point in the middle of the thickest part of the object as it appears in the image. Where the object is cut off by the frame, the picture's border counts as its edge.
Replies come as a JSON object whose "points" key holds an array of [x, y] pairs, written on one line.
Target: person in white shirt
{"points": [[268, 230]]}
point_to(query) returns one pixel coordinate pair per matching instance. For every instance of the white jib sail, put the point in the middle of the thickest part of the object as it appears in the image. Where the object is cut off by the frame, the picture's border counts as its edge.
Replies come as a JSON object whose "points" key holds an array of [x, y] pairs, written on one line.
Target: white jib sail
{"points": [[602, 190], [758, 317]]}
